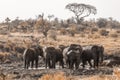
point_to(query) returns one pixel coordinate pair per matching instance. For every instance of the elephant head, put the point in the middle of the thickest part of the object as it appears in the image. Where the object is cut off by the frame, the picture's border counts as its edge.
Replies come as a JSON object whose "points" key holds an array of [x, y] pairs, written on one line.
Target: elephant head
{"points": [[39, 51], [101, 53], [98, 51], [74, 55]]}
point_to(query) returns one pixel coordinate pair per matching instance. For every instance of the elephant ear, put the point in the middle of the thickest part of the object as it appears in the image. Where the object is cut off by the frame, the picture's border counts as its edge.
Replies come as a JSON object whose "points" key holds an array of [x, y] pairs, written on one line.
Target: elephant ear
{"points": [[94, 48], [101, 48], [80, 48]]}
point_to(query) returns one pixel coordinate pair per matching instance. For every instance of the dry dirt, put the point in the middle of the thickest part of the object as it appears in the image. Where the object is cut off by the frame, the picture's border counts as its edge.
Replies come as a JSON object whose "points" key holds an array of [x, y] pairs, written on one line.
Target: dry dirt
{"points": [[15, 70]]}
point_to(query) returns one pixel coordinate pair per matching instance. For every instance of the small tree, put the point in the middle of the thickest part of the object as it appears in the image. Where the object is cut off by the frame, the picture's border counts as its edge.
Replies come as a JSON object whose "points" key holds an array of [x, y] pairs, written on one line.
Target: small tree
{"points": [[7, 21], [43, 24], [50, 16], [81, 11], [102, 22]]}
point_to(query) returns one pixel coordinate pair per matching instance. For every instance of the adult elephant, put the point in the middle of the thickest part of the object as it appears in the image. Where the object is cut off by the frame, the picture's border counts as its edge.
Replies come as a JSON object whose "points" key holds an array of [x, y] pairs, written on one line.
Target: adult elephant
{"points": [[52, 56], [92, 52], [62, 47], [31, 55], [74, 59], [72, 55]]}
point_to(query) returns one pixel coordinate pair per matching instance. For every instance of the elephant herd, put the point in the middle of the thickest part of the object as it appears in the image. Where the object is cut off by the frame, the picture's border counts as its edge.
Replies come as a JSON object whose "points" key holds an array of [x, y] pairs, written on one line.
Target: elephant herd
{"points": [[67, 56]]}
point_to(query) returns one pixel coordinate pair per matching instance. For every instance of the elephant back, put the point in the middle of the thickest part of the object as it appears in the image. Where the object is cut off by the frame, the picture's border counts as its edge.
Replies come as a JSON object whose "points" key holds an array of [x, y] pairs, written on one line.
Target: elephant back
{"points": [[76, 47], [39, 50], [29, 54], [62, 47], [48, 51], [87, 47]]}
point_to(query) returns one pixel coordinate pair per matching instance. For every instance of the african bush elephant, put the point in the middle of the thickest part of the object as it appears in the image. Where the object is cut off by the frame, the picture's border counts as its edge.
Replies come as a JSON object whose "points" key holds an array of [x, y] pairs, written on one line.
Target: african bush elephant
{"points": [[62, 47], [70, 53], [52, 56], [32, 54], [92, 52], [73, 59]]}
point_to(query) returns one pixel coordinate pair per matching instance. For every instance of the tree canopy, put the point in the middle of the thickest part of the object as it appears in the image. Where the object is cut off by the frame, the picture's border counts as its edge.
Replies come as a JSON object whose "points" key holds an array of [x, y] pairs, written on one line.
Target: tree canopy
{"points": [[81, 10]]}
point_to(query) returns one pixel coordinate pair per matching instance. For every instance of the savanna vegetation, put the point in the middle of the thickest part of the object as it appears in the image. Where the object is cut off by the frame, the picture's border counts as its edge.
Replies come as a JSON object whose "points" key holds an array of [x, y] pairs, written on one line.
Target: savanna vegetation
{"points": [[17, 35]]}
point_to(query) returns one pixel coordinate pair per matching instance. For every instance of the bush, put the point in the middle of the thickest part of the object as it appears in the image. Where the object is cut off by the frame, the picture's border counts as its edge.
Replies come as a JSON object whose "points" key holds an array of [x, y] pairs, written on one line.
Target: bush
{"points": [[94, 30], [81, 28], [82, 35], [104, 32], [52, 34], [114, 35], [118, 31], [63, 32]]}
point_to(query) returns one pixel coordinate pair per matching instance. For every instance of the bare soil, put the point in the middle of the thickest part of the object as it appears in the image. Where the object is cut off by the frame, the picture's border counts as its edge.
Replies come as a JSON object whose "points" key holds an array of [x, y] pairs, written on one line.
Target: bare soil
{"points": [[15, 71]]}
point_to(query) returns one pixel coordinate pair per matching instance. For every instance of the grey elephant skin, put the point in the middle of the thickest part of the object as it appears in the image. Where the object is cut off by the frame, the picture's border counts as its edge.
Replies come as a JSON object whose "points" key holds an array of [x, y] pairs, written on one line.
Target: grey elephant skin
{"points": [[31, 55], [92, 52], [52, 56], [72, 55]]}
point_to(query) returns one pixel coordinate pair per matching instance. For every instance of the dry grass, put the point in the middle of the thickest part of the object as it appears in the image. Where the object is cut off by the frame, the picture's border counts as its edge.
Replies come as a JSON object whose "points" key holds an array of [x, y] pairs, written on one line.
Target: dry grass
{"points": [[61, 76], [110, 43], [115, 76], [57, 76], [3, 55]]}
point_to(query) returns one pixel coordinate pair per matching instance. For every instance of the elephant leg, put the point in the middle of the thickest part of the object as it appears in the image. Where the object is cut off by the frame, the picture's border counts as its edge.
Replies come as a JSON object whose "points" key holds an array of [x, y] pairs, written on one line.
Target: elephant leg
{"points": [[89, 61], [46, 63], [28, 64], [25, 63], [53, 61], [84, 62], [71, 64], [77, 64], [62, 63], [49, 63], [53, 64], [68, 64], [36, 63], [32, 63], [94, 63], [97, 62]]}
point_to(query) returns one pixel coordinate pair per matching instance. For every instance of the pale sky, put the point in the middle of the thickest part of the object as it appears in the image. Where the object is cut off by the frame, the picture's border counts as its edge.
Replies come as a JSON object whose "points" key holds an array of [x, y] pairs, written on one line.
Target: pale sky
{"points": [[26, 9]]}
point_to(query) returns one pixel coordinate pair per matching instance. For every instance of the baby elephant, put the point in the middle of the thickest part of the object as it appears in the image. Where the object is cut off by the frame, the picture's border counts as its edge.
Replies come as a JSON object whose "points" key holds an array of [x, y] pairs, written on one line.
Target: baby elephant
{"points": [[31, 55]]}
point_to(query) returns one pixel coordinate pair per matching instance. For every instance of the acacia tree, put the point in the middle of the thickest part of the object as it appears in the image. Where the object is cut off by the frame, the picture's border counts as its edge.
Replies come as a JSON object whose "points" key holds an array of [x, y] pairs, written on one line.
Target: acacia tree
{"points": [[81, 10]]}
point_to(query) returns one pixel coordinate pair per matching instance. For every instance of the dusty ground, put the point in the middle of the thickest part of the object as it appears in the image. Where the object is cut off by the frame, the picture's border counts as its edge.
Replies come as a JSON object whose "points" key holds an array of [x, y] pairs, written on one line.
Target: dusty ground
{"points": [[15, 71]]}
